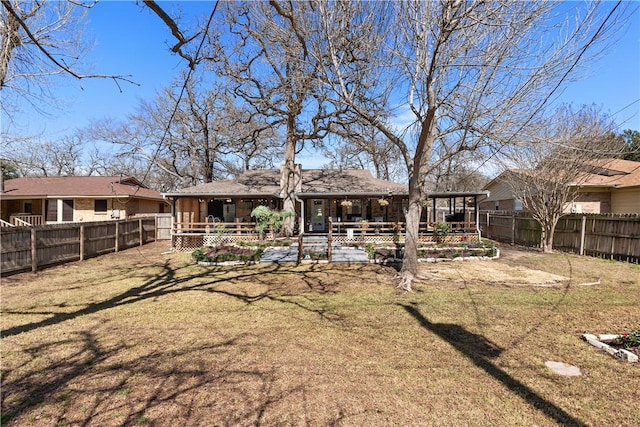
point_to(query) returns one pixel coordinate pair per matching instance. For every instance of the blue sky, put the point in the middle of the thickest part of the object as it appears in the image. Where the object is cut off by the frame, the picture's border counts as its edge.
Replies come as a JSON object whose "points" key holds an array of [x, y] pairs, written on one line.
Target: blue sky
{"points": [[131, 40]]}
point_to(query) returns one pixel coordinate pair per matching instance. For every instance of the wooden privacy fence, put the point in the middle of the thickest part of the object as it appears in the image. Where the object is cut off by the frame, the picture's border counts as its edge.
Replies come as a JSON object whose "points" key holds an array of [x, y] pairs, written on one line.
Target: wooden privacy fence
{"points": [[602, 235], [33, 248]]}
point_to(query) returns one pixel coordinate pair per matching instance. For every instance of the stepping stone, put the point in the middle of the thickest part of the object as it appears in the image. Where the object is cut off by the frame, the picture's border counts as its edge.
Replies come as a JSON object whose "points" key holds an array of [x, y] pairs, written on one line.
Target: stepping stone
{"points": [[562, 368]]}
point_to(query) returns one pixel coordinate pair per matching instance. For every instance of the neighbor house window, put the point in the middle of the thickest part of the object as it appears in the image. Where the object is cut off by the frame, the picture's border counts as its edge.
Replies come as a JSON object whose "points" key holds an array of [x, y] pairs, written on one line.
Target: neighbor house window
{"points": [[100, 206], [52, 210], [517, 205], [67, 210], [55, 207], [28, 208]]}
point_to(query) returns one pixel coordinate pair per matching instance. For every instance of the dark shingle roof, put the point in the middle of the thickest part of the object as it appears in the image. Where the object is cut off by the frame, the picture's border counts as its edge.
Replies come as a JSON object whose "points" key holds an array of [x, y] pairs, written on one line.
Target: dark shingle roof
{"points": [[315, 182]]}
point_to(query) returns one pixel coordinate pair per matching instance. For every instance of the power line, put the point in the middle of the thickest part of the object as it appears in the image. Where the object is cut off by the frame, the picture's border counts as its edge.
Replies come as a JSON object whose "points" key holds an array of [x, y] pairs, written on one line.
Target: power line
{"points": [[182, 90]]}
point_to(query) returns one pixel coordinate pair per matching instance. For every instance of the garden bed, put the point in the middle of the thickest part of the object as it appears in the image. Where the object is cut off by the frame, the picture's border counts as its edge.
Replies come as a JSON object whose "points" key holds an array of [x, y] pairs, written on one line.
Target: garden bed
{"points": [[225, 254], [436, 252], [625, 346]]}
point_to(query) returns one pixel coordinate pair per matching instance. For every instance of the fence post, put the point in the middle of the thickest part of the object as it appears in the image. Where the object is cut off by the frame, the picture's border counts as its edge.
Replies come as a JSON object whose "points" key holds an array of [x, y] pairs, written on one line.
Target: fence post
{"points": [[82, 243], [613, 246], [117, 235], [141, 232], [513, 229], [34, 255], [487, 233], [583, 230]]}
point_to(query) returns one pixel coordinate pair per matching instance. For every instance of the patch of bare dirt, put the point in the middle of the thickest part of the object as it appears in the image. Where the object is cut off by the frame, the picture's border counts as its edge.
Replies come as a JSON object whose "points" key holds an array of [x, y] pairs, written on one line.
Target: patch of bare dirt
{"points": [[508, 252], [494, 273]]}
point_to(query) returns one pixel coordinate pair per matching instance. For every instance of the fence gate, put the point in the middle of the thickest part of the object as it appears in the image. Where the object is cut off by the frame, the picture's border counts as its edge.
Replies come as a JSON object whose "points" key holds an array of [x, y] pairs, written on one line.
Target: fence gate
{"points": [[163, 226]]}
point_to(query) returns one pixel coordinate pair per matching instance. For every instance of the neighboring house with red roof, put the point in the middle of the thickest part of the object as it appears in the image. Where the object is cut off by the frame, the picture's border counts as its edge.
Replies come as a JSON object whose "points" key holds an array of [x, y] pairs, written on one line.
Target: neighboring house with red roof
{"points": [[613, 187], [47, 200]]}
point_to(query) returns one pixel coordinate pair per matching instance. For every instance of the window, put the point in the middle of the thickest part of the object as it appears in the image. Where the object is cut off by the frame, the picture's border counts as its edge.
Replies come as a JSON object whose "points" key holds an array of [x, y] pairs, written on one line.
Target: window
{"points": [[100, 206], [28, 207], [67, 210], [517, 205], [52, 210]]}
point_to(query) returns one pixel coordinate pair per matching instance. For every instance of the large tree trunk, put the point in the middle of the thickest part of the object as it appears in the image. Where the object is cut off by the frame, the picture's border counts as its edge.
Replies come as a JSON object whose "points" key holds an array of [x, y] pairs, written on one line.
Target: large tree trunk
{"points": [[288, 186], [409, 269], [548, 230]]}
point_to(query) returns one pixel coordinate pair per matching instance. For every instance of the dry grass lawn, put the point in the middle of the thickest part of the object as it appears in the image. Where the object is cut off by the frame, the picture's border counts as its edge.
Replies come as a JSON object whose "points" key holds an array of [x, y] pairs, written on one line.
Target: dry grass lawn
{"points": [[142, 338]]}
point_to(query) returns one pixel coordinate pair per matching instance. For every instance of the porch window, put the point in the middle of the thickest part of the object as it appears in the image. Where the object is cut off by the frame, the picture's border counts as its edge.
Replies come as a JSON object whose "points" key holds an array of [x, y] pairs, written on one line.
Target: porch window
{"points": [[354, 212], [28, 208]]}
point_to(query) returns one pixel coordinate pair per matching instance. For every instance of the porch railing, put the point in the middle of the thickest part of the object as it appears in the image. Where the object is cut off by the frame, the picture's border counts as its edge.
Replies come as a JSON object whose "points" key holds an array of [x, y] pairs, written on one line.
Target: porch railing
{"points": [[192, 235], [214, 227], [28, 220]]}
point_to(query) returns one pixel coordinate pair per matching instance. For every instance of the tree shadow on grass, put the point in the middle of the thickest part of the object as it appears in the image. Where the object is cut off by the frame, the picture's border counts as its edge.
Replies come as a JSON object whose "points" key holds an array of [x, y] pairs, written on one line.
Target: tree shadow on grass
{"points": [[81, 382], [480, 351], [167, 282]]}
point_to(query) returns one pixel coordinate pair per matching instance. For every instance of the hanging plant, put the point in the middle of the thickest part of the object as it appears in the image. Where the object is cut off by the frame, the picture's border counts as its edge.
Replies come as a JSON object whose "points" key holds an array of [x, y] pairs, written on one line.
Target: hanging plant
{"points": [[383, 202], [346, 203]]}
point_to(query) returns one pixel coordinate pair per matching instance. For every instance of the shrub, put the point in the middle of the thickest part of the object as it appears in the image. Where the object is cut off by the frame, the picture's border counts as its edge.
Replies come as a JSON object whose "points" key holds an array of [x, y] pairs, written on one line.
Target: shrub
{"points": [[371, 250], [266, 217], [198, 255], [629, 339]]}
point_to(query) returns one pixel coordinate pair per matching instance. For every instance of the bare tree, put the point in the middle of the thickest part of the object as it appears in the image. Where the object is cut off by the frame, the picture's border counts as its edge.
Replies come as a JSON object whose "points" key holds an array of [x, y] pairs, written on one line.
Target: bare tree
{"points": [[460, 173], [361, 146], [38, 41], [71, 155], [563, 152], [471, 75], [276, 75], [188, 138]]}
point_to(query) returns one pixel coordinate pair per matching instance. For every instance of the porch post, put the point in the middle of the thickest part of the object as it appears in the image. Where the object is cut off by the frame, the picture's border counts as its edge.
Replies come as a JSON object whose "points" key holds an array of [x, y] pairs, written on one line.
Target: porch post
{"points": [[174, 220], [477, 216], [301, 227], [435, 211]]}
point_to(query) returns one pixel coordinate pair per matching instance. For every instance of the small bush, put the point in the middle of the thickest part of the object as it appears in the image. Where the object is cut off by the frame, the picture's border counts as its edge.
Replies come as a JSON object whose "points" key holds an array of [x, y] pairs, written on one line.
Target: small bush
{"points": [[370, 249], [200, 256], [629, 339]]}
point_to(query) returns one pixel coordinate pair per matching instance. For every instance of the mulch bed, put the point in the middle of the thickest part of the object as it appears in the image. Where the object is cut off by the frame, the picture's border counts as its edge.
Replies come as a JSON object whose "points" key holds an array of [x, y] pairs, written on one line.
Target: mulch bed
{"points": [[228, 250]]}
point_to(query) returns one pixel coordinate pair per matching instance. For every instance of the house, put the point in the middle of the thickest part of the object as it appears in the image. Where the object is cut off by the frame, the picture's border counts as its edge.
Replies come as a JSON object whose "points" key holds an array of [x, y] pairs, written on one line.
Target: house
{"points": [[47, 200], [336, 200], [613, 187]]}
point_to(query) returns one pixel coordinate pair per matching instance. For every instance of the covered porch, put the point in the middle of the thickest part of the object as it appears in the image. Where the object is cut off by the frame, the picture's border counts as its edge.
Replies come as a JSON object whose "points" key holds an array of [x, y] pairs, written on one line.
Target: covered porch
{"points": [[348, 219]]}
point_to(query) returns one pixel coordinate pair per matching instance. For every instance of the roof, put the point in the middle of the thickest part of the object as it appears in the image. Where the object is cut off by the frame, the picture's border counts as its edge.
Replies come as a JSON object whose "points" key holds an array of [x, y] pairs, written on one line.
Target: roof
{"points": [[616, 173], [102, 187], [315, 182]]}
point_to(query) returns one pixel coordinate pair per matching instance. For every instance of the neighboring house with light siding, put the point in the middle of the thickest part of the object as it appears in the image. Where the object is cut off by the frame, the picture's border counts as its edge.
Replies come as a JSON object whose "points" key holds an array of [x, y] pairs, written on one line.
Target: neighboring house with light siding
{"points": [[613, 188], [48, 200]]}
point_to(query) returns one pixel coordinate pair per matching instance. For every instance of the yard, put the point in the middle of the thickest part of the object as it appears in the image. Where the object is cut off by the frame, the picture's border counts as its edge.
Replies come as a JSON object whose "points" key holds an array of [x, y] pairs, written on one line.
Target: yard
{"points": [[145, 338]]}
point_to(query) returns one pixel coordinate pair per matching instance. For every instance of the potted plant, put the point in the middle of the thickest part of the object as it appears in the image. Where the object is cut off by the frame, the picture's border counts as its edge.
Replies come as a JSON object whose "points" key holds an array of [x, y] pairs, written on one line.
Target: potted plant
{"points": [[346, 203], [383, 202]]}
